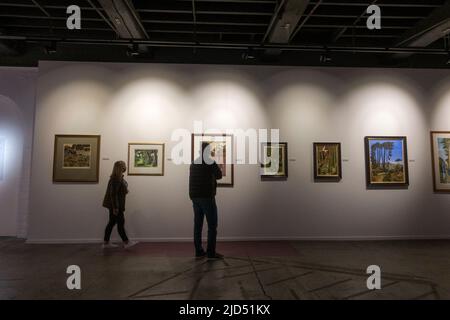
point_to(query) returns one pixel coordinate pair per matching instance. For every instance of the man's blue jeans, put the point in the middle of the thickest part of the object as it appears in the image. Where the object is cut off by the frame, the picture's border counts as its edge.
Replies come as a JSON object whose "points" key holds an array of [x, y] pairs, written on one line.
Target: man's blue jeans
{"points": [[205, 207]]}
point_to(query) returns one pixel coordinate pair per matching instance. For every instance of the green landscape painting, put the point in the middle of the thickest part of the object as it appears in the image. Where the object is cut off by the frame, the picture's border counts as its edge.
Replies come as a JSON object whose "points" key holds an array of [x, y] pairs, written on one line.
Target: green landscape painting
{"points": [[147, 158]]}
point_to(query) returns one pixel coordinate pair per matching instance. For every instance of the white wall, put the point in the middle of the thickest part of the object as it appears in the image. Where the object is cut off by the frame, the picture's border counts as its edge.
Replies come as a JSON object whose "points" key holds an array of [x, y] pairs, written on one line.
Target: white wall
{"points": [[146, 102], [17, 94]]}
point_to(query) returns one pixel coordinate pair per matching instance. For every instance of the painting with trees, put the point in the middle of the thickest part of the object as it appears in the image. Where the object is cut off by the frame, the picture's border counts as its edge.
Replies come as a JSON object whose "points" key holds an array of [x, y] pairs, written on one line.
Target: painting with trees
{"points": [[146, 159], [386, 161], [76, 155], [327, 161], [440, 147]]}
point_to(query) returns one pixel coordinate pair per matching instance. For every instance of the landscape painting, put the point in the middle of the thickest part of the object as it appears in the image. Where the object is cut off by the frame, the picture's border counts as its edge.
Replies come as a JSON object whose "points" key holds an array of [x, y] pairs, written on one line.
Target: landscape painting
{"points": [[386, 161], [440, 149], [145, 159], [221, 150], [327, 161], [274, 160], [76, 158]]}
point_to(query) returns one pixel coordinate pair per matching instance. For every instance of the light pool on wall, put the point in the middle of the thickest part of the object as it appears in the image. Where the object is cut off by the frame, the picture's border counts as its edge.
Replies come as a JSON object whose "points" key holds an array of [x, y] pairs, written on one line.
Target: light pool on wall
{"points": [[2, 158]]}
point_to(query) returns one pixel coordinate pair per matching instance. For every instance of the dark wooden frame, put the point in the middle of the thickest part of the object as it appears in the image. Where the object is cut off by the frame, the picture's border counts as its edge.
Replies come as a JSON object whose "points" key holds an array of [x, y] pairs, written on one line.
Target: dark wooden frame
{"points": [[405, 155], [270, 176], [432, 161], [97, 171], [325, 178], [219, 184], [146, 144]]}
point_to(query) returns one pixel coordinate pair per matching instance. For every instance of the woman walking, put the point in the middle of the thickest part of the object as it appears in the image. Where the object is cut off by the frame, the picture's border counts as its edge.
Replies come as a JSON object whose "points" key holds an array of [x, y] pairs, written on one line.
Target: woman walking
{"points": [[115, 201]]}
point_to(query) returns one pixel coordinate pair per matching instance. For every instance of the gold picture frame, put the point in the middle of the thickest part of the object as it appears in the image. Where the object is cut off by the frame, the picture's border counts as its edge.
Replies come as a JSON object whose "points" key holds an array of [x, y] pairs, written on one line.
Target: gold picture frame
{"points": [[146, 159], [76, 158]]}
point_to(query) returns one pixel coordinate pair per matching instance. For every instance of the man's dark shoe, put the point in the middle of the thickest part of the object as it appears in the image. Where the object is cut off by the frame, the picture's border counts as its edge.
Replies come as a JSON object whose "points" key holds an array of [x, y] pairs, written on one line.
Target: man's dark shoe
{"points": [[217, 256], [200, 256]]}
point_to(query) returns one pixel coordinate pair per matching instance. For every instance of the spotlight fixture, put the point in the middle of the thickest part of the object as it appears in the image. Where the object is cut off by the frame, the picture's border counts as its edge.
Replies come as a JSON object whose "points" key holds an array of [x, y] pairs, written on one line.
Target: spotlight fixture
{"points": [[51, 48], [325, 57], [249, 54], [133, 51]]}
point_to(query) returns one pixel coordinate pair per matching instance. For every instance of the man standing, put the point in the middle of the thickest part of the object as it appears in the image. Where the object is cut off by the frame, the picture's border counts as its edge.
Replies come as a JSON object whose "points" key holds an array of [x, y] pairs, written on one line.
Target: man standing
{"points": [[203, 174]]}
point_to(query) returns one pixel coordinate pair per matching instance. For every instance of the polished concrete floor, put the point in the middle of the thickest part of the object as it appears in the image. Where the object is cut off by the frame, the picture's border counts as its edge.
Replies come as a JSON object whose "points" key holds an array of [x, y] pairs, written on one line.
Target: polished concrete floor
{"points": [[251, 270]]}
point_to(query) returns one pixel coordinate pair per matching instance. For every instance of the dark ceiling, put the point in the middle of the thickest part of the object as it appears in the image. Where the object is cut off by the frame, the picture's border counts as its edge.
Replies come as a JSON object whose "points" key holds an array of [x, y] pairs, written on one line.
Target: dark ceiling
{"points": [[414, 33]]}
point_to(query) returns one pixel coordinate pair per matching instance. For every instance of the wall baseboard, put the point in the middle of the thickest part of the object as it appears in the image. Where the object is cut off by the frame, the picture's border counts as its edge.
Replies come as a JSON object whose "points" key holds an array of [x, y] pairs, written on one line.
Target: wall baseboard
{"points": [[229, 239]]}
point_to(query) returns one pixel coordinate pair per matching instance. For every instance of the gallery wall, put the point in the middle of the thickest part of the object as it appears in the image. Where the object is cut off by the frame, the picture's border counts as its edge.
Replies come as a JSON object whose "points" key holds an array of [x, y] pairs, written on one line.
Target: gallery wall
{"points": [[17, 101], [146, 102]]}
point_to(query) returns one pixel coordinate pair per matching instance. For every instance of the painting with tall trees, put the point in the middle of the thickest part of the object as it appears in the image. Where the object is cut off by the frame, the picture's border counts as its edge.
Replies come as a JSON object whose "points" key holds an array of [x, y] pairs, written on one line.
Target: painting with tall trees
{"points": [[327, 161], [440, 147], [386, 161]]}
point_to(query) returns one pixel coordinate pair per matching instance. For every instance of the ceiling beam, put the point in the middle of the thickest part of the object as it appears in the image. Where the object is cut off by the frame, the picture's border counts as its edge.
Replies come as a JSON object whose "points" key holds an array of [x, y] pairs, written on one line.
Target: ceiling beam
{"points": [[427, 31], [239, 46], [5, 48], [125, 19], [300, 26], [393, 5], [41, 8], [287, 20], [341, 32], [194, 19]]}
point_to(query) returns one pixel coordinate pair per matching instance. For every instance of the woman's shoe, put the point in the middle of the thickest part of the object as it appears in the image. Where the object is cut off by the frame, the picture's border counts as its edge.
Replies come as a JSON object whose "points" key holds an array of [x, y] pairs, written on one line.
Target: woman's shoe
{"points": [[109, 245], [130, 244]]}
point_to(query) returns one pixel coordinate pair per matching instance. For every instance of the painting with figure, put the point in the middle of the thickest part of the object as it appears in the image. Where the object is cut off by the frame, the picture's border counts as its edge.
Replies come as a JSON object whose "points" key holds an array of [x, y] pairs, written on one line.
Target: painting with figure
{"points": [[440, 149], [274, 160], [221, 150], [327, 161], [145, 159], [386, 161], [76, 158]]}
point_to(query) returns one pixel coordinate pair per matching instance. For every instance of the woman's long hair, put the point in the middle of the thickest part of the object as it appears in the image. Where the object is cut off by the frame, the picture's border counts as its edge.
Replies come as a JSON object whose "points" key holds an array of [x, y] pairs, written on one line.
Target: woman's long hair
{"points": [[117, 172]]}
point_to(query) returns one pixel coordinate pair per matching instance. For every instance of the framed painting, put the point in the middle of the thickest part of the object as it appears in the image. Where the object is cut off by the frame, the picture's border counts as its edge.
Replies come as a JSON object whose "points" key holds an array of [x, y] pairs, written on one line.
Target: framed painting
{"points": [[386, 161], [76, 158], [146, 159], [327, 161], [274, 160], [221, 148], [440, 146]]}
